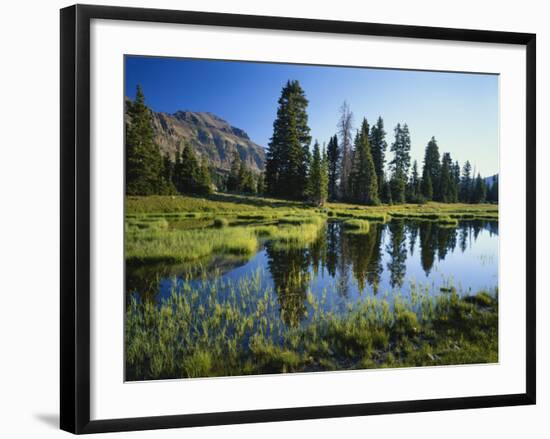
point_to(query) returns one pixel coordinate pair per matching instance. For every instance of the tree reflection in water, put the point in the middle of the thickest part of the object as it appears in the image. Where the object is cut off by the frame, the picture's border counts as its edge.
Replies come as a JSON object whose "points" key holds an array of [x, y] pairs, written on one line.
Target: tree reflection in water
{"points": [[355, 262], [289, 269], [348, 257]]}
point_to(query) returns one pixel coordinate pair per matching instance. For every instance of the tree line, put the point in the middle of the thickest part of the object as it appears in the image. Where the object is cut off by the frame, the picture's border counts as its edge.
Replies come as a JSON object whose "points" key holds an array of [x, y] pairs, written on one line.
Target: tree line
{"points": [[148, 172], [352, 168]]}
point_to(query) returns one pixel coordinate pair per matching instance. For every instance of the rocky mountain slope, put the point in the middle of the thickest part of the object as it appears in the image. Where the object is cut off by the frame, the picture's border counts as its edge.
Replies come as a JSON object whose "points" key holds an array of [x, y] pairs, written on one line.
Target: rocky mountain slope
{"points": [[211, 137]]}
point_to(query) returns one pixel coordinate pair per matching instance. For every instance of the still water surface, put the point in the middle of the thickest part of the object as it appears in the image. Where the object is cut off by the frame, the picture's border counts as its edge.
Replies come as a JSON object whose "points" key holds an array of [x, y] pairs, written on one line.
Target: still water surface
{"points": [[402, 257]]}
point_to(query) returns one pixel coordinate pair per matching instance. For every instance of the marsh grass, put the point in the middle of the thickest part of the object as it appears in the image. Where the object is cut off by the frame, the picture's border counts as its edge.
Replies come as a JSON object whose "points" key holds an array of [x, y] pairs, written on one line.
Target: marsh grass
{"points": [[234, 205], [176, 229], [447, 221], [217, 327], [299, 220], [153, 239], [185, 245], [291, 235], [356, 226], [146, 224], [223, 328]]}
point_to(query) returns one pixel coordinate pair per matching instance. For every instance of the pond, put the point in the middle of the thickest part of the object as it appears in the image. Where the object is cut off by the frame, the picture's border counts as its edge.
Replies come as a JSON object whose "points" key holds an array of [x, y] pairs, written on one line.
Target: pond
{"points": [[400, 258]]}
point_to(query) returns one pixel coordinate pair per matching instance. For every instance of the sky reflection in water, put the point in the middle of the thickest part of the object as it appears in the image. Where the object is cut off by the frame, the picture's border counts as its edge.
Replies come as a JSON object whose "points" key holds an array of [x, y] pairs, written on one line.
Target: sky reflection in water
{"points": [[394, 258]]}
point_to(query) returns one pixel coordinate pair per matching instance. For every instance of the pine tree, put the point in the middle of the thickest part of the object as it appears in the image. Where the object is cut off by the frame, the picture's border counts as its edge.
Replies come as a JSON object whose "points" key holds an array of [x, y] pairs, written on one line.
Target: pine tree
{"points": [[289, 146], [363, 178], [414, 193], [378, 147], [188, 171], [480, 190], [401, 162], [246, 180], [144, 163], [349, 191], [466, 183], [318, 179], [177, 177], [427, 187], [167, 168], [431, 171], [260, 184], [456, 177], [168, 174], [447, 186], [233, 183], [386, 191], [345, 126], [492, 193], [398, 189], [288, 156], [324, 176], [333, 157], [203, 179]]}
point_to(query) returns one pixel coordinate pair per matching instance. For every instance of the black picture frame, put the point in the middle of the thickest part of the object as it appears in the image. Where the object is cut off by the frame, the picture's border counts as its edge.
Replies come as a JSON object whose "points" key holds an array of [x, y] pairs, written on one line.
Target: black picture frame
{"points": [[75, 217]]}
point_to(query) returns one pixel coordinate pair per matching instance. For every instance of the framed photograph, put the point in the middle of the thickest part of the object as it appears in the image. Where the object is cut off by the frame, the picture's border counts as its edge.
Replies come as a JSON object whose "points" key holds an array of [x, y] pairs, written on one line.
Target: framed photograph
{"points": [[268, 218]]}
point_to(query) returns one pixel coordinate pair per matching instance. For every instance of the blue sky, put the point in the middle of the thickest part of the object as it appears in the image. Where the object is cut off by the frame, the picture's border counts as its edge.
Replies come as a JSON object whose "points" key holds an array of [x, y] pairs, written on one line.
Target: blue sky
{"points": [[460, 110]]}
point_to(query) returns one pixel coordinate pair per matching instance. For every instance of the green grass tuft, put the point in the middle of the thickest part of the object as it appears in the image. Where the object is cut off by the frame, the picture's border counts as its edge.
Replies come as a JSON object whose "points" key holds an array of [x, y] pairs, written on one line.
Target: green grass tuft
{"points": [[357, 225], [206, 332]]}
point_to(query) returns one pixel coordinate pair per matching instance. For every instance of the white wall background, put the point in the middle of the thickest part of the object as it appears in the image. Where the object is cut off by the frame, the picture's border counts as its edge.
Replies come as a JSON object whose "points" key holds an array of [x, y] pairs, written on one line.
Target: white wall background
{"points": [[29, 187]]}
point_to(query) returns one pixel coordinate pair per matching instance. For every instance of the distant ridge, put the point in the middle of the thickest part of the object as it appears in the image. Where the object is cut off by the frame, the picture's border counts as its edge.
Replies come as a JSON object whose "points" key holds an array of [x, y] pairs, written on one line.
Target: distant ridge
{"points": [[210, 136]]}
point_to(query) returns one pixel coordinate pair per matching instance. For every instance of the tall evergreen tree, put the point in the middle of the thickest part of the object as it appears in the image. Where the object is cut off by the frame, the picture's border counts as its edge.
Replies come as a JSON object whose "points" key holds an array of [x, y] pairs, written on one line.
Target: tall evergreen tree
{"points": [[363, 178], [203, 179], [288, 156], [144, 163], [188, 171], [378, 147], [447, 186], [260, 184], [431, 171], [177, 176], [243, 177], [414, 193], [427, 187], [386, 191], [167, 168], [233, 178], [456, 177], [345, 126], [323, 184], [350, 189], [465, 195], [480, 190], [401, 162], [168, 174], [333, 157], [318, 178]]}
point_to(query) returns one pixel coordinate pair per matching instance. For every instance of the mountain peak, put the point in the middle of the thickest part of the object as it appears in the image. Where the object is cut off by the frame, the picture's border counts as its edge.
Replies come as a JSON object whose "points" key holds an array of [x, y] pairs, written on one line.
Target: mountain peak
{"points": [[211, 136], [209, 120]]}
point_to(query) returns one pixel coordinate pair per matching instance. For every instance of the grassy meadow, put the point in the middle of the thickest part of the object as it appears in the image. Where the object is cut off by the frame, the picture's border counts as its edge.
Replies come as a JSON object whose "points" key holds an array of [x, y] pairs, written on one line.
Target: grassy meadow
{"points": [[182, 229], [214, 327]]}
